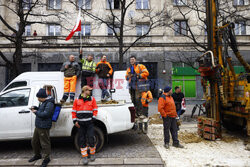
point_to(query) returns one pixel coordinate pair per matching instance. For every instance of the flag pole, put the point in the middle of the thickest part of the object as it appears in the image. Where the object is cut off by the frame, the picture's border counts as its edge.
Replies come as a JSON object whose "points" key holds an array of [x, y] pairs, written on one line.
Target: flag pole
{"points": [[81, 30]]}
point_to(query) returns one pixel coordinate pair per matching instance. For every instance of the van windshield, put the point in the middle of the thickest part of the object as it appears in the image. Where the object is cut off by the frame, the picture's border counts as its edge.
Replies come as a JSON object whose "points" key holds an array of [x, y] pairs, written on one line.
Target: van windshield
{"points": [[17, 84]]}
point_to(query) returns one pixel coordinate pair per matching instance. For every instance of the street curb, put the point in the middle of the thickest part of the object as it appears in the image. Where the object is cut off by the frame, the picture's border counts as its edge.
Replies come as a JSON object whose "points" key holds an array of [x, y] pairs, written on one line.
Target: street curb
{"points": [[77, 162]]}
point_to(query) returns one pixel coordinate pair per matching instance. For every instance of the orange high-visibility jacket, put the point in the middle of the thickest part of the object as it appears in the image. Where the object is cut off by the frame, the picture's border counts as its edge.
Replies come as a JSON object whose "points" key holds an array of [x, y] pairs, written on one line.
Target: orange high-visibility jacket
{"points": [[166, 106], [146, 98], [84, 109], [139, 69]]}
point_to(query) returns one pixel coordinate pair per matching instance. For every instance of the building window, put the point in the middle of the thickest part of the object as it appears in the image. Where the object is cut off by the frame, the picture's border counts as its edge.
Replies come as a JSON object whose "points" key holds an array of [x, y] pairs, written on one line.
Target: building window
{"points": [[54, 4], [240, 2], [116, 29], [84, 4], [86, 30], [26, 4], [27, 31], [142, 29], [180, 27], [54, 30], [180, 2], [240, 28], [142, 4], [113, 4]]}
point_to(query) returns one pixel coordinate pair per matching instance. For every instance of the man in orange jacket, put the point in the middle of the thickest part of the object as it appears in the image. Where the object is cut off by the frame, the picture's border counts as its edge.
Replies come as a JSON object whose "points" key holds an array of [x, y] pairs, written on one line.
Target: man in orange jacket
{"points": [[83, 112], [104, 71], [135, 72], [146, 98], [166, 107]]}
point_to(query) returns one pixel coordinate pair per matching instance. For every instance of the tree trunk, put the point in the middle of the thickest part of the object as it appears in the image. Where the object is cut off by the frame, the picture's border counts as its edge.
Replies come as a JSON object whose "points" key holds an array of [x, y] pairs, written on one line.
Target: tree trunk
{"points": [[121, 54]]}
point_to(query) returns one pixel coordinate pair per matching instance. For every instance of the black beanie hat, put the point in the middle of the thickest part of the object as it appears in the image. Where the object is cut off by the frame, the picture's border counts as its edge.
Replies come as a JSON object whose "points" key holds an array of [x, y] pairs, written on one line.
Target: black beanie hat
{"points": [[41, 93], [167, 89]]}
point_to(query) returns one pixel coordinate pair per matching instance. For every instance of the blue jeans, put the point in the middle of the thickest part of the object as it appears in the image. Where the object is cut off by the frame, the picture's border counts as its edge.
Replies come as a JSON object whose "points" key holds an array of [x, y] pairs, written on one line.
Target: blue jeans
{"points": [[179, 112], [103, 84]]}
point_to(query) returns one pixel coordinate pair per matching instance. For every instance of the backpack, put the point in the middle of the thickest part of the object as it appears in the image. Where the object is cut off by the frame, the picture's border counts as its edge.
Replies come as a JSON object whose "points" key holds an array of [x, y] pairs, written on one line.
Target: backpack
{"points": [[57, 110], [56, 113]]}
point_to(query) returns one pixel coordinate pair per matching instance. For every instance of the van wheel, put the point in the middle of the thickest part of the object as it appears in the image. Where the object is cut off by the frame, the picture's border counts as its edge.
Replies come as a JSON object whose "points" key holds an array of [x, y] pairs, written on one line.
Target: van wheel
{"points": [[99, 139]]}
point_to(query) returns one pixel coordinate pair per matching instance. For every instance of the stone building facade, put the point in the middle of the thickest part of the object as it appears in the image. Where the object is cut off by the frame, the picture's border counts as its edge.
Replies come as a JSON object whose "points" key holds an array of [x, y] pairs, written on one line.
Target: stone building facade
{"points": [[157, 51]]}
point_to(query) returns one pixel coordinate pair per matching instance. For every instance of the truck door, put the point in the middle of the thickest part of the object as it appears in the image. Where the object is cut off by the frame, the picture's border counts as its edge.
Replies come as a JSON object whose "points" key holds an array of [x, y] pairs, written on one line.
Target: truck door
{"points": [[15, 116]]}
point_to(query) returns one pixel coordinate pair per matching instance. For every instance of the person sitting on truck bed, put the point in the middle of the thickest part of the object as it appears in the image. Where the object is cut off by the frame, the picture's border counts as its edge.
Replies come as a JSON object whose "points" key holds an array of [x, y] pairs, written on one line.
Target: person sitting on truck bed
{"points": [[43, 123], [104, 71], [83, 112], [88, 70], [71, 71]]}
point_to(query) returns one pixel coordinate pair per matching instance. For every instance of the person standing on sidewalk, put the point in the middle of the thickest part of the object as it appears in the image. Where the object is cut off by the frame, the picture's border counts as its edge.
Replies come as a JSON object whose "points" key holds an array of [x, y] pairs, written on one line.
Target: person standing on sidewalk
{"points": [[104, 71], [145, 100], [71, 71], [166, 107], [43, 124], [88, 70], [83, 112]]}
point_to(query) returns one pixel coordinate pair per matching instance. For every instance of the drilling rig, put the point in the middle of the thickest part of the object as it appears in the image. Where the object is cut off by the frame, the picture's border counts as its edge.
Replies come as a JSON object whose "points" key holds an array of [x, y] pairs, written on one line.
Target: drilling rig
{"points": [[226, 93]]}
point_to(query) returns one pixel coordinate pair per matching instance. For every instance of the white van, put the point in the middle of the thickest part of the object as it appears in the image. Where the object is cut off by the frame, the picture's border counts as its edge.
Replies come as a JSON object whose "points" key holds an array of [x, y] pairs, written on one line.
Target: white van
{"points": [[17, 122]]}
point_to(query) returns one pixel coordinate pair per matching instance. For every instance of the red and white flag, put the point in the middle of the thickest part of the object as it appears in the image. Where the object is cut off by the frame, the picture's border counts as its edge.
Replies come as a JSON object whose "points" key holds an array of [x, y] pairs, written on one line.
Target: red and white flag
{"points": [[76, 28]]}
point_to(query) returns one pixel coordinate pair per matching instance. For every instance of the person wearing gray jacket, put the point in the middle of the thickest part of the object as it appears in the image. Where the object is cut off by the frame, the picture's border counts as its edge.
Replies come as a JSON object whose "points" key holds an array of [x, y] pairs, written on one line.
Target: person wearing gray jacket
{"points": [[71, 71], [43, 124]]}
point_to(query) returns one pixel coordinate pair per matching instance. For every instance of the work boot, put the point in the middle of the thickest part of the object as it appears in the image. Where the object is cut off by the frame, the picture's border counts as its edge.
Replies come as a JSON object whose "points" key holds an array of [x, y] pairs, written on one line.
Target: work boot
{"points": [[35, 157], [166, 146], [145, 130], [62, 101], [45, 162], [92, 157], [85, 161], [178, 145], [140, 128]]}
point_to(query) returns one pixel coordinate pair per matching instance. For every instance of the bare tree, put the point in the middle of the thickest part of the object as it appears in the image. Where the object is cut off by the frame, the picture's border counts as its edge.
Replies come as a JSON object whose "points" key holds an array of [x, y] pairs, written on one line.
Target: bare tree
{"points": [[227, 10], [26, 13], [116, 21], [195, 30]]}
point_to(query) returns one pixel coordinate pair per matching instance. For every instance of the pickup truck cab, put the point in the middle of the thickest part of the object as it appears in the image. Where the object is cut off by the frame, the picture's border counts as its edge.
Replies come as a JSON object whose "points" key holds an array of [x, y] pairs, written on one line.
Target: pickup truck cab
{"points": [[17, 122]]}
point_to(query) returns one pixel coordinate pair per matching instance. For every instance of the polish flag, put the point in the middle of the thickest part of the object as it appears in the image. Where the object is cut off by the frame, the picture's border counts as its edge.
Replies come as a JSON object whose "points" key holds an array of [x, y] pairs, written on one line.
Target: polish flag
{"points": [[76, 28]]}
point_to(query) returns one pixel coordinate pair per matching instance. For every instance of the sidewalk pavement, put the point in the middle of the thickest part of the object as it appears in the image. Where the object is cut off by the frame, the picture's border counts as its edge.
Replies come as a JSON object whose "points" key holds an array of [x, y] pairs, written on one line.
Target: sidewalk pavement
{"points": [[150, 162]]}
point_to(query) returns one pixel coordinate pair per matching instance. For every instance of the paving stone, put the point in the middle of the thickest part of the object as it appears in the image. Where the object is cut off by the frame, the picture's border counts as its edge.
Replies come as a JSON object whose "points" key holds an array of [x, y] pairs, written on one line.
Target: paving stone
{"points": [[9, 162], [106, 161], [143, 161], [65, 161]]}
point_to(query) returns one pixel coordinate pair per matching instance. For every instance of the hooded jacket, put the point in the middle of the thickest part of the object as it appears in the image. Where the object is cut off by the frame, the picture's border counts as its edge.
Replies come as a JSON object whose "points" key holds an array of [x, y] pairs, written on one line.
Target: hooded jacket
{"points": [[166, 106], [74, 69], [44, 114]]}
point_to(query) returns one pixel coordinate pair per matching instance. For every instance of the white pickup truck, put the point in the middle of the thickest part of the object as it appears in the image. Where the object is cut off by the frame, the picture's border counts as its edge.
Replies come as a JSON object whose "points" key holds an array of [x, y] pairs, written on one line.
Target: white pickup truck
{"points": [[18, 123]]}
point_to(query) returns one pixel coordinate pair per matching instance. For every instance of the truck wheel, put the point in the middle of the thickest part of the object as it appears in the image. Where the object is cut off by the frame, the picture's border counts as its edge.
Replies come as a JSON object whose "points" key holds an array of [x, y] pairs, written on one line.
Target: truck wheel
{"points": [[99, 139]]}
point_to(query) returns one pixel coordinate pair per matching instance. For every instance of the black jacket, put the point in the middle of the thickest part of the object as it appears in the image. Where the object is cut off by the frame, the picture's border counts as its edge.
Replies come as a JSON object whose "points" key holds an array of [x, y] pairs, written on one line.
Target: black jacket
{"points": [[178, 99], [44, 114]]}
